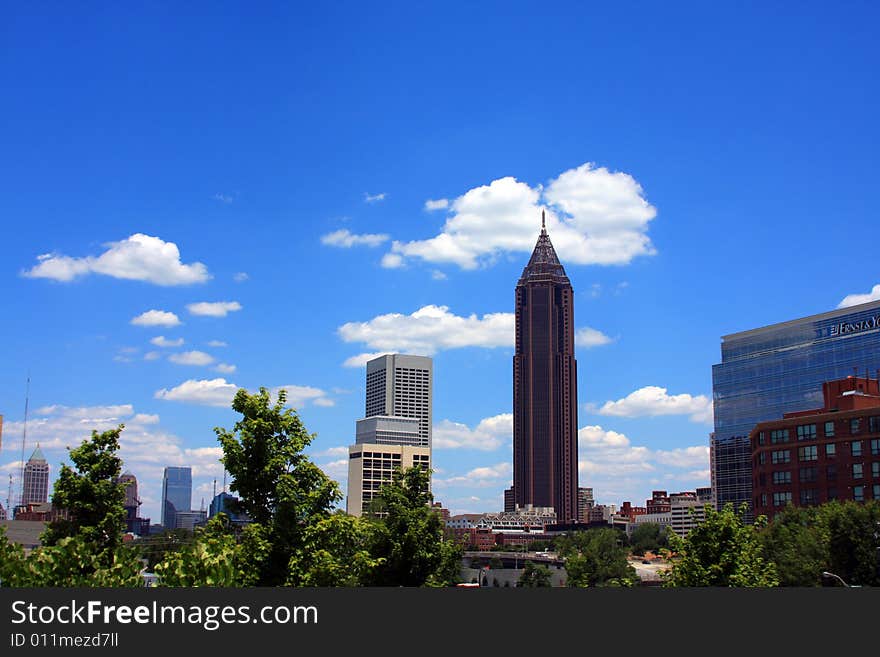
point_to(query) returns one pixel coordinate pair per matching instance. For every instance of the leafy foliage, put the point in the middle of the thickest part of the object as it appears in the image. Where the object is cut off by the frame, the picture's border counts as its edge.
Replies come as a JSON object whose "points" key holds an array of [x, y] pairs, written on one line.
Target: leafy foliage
{"points": [[534, 576], [721, 551], [647, 537], [596, 557], [410, 537], [280, 489]]}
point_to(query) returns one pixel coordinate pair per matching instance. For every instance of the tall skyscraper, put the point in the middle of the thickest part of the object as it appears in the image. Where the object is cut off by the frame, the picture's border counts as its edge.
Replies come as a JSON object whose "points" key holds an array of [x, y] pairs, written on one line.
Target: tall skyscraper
{"points": [[35, 486], [176, 494], [769, 371], [396, 432], [400, 385], [545, 386]]}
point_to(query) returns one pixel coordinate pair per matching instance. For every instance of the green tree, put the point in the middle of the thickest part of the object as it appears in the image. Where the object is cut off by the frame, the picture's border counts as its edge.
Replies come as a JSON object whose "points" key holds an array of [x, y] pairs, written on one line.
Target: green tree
{"points": [[280, 489], [721, 551], [409, 535], [647, 537], [853, 534], [213, 558], [91, 495], [534, 576], [796, 541], [597, 557]]}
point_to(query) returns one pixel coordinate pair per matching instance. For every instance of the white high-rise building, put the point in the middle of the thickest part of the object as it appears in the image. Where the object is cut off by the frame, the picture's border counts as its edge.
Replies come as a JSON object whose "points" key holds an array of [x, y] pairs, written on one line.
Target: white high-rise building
{"points": [[396, 429], [400, 385]]}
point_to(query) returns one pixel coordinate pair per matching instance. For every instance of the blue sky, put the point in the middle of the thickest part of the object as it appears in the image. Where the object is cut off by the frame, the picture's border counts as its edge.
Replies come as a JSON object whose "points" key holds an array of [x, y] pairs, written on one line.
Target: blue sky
{"points": [[289, 188]]}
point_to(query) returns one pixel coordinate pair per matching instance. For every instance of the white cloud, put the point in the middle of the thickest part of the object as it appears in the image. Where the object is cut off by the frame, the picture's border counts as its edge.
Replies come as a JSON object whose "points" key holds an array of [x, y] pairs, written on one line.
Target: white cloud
{"points": [[152, 355], [438, 275], [225, 368], [482, 477], [339, 451], [439, 204], [361, 359], [686, 457], [587, 337], [213, 308], [240, 277], [374, 198], [138, 257], [345, 239], [162, 341], [206, 392], [299, 396], [217, 343], [431, 329], [223, 198], [654, 400], [596, 435], [199, 358], [392, 261], [856, 299], [489, 434], [156, 318], [594, 216]]}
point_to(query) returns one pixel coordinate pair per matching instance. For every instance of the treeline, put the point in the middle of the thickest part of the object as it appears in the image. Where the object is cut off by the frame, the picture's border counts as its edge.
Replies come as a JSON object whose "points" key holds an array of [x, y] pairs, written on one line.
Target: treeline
{"points": [[296, 537]]}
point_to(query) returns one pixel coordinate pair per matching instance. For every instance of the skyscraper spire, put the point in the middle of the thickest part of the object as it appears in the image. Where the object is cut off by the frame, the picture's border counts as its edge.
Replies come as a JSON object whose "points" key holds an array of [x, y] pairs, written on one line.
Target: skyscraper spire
{"points": [[543, 225]]}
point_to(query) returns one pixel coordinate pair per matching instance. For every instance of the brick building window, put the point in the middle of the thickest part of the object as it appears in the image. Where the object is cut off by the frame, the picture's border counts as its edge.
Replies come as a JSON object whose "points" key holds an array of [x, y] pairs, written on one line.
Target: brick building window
{"points": [[781, 499], [859, 493], [779, 436], [831, 449], [857, 469], [855, 425], [807, 453], [780, 456], [856, 447], [829, 429], [782, 477], [807, 475], [806, 432]]}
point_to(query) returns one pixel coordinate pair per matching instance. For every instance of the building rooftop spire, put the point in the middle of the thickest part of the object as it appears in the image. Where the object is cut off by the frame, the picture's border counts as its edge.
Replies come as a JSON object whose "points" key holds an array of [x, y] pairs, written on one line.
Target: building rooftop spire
{"points": [[544, 259]]}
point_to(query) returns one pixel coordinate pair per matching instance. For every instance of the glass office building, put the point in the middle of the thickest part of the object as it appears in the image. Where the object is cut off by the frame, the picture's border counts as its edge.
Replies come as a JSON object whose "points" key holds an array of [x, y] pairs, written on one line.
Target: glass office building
{"points": [[778, 369], [176, 494]]}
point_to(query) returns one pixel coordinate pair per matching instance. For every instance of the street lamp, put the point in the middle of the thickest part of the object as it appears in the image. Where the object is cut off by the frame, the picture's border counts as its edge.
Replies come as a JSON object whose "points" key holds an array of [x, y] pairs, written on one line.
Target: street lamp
{"points": [[837, 577]]}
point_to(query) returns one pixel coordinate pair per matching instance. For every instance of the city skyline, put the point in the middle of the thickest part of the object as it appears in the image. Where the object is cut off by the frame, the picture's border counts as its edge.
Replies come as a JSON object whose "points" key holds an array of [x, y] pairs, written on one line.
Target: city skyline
{"points": [[240, 202]]}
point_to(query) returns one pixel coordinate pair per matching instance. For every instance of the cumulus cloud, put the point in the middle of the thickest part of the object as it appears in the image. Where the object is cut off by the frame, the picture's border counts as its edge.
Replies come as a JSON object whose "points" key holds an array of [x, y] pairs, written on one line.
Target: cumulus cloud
{"points": [[240, 277], [481, 477], [199, 358], [438, 275], [686, 457], [361, 359], [431, 329], [152, 355], [654, 400], [392, 261], [213, 308], [139, 257], [489, 434], [205, 392], [217, 343], [156, 318], [374, 198], [856, 299], [594, 216], [219, 392], [225, 368], [587, 337], [438, 204], [162, 341], [346, 239]]}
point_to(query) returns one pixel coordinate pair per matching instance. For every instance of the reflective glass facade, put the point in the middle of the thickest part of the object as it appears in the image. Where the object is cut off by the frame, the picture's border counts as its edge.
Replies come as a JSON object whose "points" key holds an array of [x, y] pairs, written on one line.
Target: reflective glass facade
{"points": [[176, 494], [779, 369]]}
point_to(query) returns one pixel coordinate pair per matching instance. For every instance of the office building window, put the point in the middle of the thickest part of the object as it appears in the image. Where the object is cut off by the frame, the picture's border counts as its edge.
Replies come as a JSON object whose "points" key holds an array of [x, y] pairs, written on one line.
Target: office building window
{"points": [[782, 477], [781, 499], [829, 429], [859, 493], [807, 453], [779, 436], [806, 432], [808, 475], [856, 447], [780, 456], [830, 449], [857, 470]]}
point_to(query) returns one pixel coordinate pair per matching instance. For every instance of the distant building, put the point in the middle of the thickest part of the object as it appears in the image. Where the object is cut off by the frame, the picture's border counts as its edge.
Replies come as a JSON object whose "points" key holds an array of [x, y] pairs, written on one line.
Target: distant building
{"points": [[176, 494], [815, 456], [389, 430], [2, 513], [189, 520], [509, 500], [400, 386], [686, 512], [659, 502], [585, 503], [778, 369], [35, 489]]}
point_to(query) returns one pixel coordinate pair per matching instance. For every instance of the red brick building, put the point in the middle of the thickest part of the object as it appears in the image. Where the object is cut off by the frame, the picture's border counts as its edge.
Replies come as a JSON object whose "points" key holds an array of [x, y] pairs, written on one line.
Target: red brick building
{"points": [[829, 453]]}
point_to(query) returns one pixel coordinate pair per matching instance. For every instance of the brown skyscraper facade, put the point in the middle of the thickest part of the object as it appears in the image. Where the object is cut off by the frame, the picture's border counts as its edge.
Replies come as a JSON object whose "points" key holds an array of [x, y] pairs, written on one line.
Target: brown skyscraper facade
{"points": [[545, 386]]}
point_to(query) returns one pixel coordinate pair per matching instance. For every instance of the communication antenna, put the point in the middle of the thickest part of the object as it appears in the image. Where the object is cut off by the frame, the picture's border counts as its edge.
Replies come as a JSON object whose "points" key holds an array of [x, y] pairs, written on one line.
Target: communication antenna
{"points": [[9, 499], [27, 395]]}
